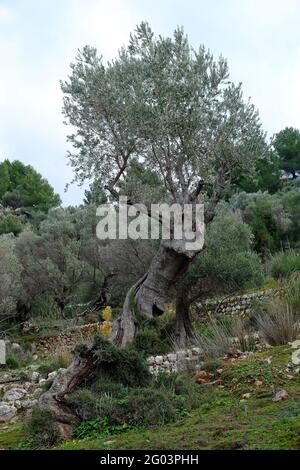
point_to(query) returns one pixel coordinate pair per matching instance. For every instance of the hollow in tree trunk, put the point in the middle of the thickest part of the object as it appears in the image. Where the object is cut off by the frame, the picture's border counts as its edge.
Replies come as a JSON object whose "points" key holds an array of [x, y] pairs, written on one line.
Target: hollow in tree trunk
{"points": [[149, 295]]}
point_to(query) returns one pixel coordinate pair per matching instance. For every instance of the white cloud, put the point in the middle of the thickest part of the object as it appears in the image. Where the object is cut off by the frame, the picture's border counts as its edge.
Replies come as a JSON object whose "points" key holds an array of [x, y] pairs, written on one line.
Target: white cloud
{"points": [[259, 37], [6, 15]]}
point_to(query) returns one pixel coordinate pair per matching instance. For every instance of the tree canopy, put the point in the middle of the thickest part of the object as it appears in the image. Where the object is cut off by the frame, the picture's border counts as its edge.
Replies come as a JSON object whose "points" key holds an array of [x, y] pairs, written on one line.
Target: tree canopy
{"points": [[287, 145], [23, 187], [171, 107]]}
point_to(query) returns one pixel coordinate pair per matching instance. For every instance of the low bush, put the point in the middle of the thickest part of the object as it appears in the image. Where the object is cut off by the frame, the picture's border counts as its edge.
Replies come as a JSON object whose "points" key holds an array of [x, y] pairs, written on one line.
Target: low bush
{"points": [[277, 323], [44, 307], [293, 293], [99, 428], [243, 337], [106, 386], [148, 340], [127, 366], [12, 362], [215, 342], [284, 264], [40, 428], [149, 407], [84, 403], [59, 359]]}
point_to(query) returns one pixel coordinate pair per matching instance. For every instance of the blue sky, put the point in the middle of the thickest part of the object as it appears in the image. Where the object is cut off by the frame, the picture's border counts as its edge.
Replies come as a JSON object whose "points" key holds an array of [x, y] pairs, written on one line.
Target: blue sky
{"points": [[39, 39]]}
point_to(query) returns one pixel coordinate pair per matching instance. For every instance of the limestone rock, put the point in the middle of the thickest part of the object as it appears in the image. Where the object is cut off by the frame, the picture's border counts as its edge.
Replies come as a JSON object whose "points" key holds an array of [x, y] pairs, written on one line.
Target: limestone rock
{"points": [[14, 394], [281, 395], [35, 377], [7, 412], [52, 375]]}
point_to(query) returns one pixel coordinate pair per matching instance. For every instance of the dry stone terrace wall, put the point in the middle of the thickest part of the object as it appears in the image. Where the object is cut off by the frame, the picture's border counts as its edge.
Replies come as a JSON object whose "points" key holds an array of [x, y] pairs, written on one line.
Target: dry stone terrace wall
{"points": [[68, 339], [186, 360], [233, 305], [181, 360]]}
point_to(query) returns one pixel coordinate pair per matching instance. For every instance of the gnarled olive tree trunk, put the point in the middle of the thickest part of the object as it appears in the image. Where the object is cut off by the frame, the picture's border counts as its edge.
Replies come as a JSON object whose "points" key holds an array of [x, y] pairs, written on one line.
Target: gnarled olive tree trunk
{"points": [[149, 295]]}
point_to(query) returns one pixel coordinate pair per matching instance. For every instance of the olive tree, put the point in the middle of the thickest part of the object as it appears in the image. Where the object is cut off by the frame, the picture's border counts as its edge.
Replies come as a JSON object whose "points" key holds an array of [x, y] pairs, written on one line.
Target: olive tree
{"points": [[175, 110], [228, 264]]}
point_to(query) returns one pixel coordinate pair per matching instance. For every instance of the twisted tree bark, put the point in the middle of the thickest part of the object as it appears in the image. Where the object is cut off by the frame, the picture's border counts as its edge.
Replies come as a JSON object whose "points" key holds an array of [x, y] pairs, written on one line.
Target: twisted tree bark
{"points": [[82, 368], [150, 294]]}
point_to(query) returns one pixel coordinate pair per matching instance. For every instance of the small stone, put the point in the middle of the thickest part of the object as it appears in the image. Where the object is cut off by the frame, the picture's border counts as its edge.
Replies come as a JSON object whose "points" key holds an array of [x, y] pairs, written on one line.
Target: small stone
{"points": [[159, 359], [258, 383], [35, 377], [181, 355], [202, 377], [172, 357], [7, 412], [18, 404], [296, 357], [42, 382], [246, 396], [281, 395], [28, 404], [52, 375], [27, 386], [196, 351], [296, 344]]}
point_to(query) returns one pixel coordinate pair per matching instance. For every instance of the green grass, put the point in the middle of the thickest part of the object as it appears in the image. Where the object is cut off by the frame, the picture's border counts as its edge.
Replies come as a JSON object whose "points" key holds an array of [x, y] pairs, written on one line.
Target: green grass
{"points": [[224, 424], [11, 436], [222, 421]]}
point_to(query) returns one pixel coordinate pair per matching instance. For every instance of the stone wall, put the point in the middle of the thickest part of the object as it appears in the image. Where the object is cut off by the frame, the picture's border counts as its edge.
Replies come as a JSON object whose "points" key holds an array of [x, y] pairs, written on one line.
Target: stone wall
{"points": [[67, 340], [232, 305], [186, 360]]}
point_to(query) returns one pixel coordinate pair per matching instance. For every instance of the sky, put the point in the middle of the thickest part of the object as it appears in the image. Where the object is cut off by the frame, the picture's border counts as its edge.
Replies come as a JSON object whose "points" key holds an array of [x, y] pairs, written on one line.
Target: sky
{"points": [[40, 38]]}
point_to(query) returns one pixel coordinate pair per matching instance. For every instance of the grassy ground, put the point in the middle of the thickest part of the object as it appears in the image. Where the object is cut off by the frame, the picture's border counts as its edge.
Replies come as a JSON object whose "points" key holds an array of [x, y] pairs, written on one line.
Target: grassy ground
{"points": [[224, 420]]}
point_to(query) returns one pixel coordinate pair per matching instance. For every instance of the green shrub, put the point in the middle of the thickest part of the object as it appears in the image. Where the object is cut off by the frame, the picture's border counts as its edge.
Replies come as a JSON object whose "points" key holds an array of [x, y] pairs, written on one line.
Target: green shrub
{"points": [[103, 386], [12, 362], [84, 403], [150, 407], [40, 428], [165, 381], [127, 366], [278, 323], [11, 224], [148, 340], [186, 387], [215, 342], [284, 264], [293, 293], [100, 428], [44, 306]]}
